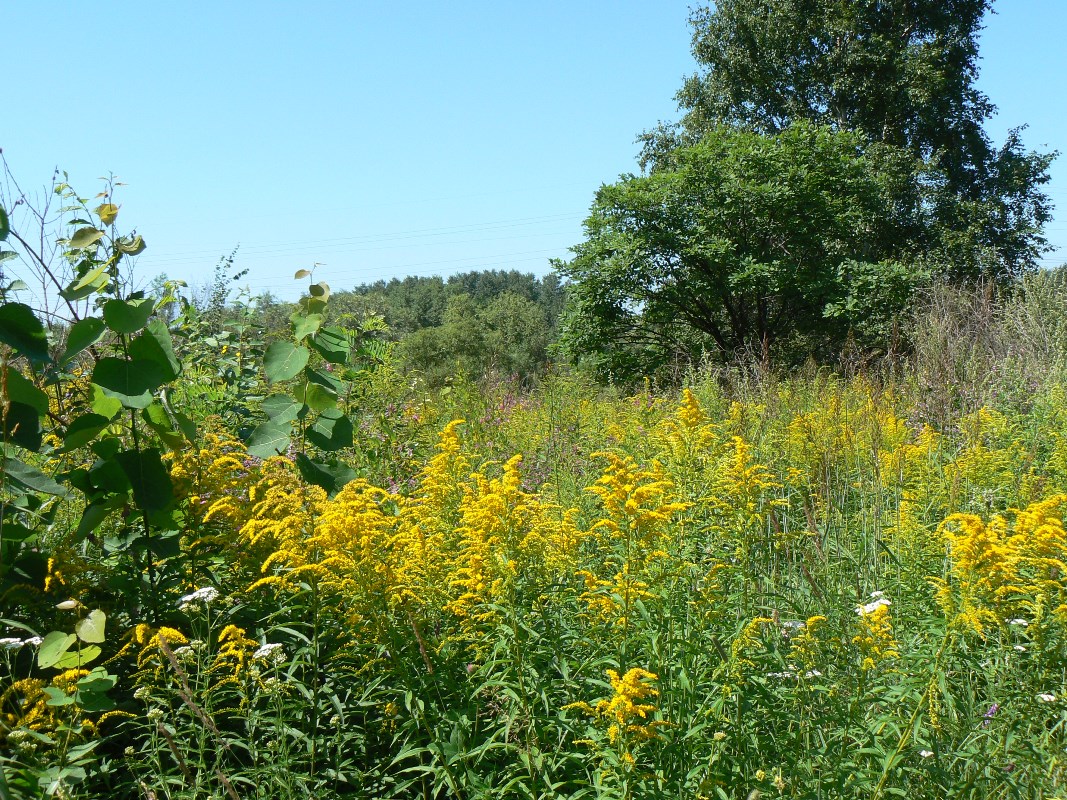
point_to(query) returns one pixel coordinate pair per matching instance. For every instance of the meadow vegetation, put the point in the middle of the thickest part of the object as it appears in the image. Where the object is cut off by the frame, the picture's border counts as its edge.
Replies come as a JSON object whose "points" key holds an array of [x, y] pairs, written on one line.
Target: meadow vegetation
{"points": [[765, 500], [248, 565]]}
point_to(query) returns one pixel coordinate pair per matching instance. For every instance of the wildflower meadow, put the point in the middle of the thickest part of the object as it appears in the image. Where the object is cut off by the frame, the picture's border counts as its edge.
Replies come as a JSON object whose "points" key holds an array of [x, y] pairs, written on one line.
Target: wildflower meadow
{"points": [[244, 568]]}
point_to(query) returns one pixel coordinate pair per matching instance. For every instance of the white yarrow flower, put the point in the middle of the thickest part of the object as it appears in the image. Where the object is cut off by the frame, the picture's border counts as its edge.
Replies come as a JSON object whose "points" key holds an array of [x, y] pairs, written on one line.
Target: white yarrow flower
{"points": [[205, 595], [33, 641], [10, 643], [926, 753], [1045, 697], [870, 608], [1022, 623], [270, 652]]}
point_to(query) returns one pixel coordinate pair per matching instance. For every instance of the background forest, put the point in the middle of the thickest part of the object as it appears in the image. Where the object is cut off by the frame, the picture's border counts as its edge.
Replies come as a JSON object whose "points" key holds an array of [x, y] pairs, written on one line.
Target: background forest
{"points": [[760, 494]]}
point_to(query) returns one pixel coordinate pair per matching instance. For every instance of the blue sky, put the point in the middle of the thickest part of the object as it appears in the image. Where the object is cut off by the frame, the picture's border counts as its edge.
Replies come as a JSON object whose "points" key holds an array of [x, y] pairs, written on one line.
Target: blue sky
{"points": [[384, 139]]}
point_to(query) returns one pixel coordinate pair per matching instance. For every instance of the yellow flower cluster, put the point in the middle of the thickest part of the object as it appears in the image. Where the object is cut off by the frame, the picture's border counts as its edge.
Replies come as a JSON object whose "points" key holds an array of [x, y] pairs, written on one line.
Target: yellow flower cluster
{"points": [[875, 641], [1007, 567], [625, 713]]}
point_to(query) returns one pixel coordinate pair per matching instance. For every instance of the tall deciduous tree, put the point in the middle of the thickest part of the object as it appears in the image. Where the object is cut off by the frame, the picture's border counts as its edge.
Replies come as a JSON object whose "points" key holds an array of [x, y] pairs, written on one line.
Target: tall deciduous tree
{"points": [[902, 72], [831, 159], [741, 242]]}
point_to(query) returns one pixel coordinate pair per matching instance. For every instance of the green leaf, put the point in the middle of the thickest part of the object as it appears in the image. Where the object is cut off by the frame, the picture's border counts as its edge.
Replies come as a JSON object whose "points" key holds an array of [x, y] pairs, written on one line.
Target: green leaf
{"points": [[21, 390], [158, 420], [305, 324], [107, 213], [149, 479], [155, 344], [270, 439], [284, 360], [7, 255], [315, 396], [97, 681], [331, 477], [32, 479], [281, 408], [83, 334], [130, 382], [85, 237], [95, 514], [131, 247], [326, 380], [94, 703], [92, 281], [54, 647], [22, 426], [91, 629], [124, 316], [108, 476], [320, 290], [312, 305], [5, 225], [57, 697], [332, 431], [20, 328], [101, 403], [78, 658], [332, 344], [83, 430], [302, 273], [14, 532], [186, 426]]}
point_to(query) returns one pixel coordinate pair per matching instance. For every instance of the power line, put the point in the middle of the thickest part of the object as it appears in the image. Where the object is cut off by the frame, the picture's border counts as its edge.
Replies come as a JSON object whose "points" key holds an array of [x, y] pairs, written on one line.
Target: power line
{"points": [[281, 247]]}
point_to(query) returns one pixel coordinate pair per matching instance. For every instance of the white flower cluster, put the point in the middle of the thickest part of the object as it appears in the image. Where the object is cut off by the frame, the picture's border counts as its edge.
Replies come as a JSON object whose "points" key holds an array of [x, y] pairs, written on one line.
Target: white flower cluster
{"points": [[205, 596], [879, 600], [270, 652], [14, 643], [1045, 697]]}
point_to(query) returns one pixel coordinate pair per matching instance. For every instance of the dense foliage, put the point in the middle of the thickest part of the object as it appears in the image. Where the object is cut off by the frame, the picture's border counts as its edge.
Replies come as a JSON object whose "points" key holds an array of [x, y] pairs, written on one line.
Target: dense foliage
{"points": [[710, 228], [236, 567]]}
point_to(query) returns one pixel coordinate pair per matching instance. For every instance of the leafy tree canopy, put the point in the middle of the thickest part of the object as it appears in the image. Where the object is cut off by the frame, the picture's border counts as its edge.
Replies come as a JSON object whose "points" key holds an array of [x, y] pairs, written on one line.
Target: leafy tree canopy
{"points": [[830, 160], [743, 241]]}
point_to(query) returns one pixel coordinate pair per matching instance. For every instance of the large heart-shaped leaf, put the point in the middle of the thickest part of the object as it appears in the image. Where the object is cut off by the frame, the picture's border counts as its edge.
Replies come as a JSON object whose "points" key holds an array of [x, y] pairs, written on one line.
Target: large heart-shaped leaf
{"points": [[83, 430], [281, 407], [270, 438], [331, 477], [83, 334], [91, 629], [85, 237], [155, 344], [32, 478], [128, 316], [305, 324], [331, 431], [22, 426], [21, 390], [149, 479], [130, 382], [20, 328], [284, 360], [54, 647], [332, 344]]}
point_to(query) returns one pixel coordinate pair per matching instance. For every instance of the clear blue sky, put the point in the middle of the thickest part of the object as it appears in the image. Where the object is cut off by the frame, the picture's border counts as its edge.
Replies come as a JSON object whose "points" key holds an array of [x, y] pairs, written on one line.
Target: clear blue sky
{"points": [[385, 139]]}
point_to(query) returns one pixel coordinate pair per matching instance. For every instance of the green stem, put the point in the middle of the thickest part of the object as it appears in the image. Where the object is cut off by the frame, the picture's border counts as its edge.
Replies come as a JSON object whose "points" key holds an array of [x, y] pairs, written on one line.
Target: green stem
{"points": [[905, 734]]}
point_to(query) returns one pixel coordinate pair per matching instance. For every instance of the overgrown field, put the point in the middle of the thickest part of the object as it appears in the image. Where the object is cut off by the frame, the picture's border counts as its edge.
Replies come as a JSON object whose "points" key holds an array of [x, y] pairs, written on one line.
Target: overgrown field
{"points": [[799, 590], [242, 562]]}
